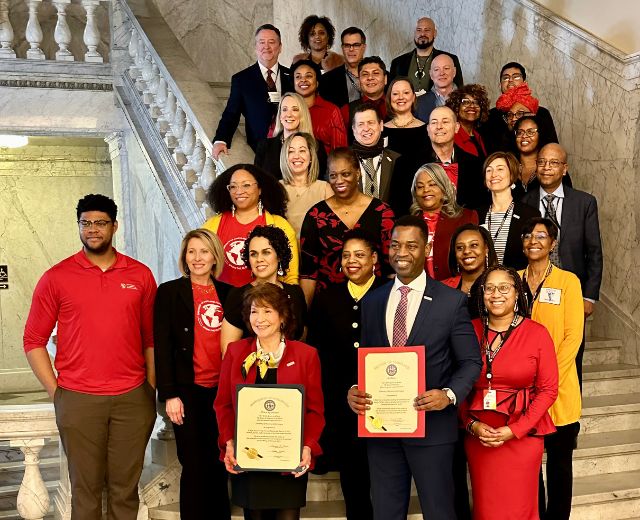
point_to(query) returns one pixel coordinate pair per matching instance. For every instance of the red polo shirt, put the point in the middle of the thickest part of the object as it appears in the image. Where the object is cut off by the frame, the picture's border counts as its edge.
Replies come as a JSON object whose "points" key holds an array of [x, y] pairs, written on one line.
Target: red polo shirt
{"points": [[105, 321]]}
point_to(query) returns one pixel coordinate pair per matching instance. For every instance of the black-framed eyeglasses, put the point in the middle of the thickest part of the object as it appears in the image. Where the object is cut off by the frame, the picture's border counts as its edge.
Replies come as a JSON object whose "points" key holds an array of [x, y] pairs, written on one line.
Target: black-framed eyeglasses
{"points": [[529, 132], [514, 116], [503, 288], [351, 46], [554, 163], [87, 224]]}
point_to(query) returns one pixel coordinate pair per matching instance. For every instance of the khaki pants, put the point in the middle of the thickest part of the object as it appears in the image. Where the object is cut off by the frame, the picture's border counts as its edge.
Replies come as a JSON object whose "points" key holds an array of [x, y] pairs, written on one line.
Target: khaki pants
{"points": [[104, 438]]}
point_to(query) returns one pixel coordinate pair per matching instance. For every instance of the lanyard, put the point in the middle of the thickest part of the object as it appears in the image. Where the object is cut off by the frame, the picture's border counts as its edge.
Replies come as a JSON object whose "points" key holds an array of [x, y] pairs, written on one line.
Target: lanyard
{"points": [[506, 214], [537, 293], [491, 354]]}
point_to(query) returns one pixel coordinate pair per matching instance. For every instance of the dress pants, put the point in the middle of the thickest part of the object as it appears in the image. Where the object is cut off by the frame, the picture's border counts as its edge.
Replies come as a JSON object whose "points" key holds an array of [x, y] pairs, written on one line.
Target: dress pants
{"points": [[204, 478], [104, 438], [559, 447], [392, 463]]}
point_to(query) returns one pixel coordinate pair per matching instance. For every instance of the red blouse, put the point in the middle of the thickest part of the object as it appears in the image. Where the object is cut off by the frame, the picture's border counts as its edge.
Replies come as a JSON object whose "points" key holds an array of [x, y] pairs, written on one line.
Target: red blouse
{"points": [[328, 125]]}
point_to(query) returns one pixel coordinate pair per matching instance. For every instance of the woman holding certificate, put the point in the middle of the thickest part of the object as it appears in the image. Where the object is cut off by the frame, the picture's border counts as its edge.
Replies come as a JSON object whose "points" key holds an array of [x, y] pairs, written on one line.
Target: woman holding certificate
{"points": [[506, 413], [269, 358]]}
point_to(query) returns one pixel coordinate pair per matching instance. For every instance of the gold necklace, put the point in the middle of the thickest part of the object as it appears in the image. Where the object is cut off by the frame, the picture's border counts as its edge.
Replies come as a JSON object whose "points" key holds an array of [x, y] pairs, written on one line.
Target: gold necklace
{"points": [[405, 125]]}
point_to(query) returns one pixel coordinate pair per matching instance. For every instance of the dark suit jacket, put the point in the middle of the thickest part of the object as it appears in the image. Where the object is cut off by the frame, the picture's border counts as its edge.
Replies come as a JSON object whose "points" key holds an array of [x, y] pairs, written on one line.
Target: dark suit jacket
{"points": [[333, 86], [513, 254], [299, 365], [400, 67], [249, 97], [173, 321], [580, 245], [452, 352], [387, 173], [268, 157], [498, 137], [425, 105]]}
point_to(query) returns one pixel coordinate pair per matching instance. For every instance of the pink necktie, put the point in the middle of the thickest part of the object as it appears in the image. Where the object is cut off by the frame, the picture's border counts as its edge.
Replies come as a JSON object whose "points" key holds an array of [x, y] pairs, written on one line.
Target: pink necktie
{"points": [[400, 318]]}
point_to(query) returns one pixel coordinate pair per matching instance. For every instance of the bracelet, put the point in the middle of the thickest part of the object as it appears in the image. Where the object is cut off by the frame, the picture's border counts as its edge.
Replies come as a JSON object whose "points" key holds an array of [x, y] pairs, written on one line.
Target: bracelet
{"points": [[470, 426]]}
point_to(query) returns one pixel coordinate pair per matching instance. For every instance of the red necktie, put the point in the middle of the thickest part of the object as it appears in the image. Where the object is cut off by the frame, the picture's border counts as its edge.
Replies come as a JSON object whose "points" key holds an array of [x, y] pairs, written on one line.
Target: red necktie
{"points": [[271, 85], [400, 318]]}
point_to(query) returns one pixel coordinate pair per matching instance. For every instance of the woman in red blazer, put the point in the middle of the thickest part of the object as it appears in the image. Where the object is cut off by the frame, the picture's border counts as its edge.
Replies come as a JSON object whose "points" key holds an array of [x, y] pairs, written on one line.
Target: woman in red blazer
{"points": [[434, 198], [270, 358]]}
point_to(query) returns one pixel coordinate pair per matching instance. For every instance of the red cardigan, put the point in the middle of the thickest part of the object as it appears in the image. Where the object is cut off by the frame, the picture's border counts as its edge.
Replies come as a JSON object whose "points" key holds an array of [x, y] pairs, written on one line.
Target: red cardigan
{"points": [[300, 365]]}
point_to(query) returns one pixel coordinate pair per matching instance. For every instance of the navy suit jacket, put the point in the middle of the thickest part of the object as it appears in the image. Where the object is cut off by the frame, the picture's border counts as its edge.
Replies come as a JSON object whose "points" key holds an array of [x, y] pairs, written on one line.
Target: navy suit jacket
{"points": [[580, 245], [452, 351], [249, 97]]}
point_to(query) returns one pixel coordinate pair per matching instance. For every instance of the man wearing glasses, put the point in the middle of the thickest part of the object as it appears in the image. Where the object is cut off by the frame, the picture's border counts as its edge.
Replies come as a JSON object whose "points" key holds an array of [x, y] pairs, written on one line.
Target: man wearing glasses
{"points": [[497, 131], [341, 86], [103, 392]]}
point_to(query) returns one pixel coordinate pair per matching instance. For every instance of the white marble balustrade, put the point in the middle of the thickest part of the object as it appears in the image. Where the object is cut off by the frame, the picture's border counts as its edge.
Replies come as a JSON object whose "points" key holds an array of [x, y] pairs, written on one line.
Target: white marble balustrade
{"points": [[62, 34], [27, 427], [181, 132]]}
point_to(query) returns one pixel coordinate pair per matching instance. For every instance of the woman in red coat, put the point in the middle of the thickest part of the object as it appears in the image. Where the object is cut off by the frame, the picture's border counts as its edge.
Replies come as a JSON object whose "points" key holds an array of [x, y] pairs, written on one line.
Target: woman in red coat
{"points": [[270, 358]]}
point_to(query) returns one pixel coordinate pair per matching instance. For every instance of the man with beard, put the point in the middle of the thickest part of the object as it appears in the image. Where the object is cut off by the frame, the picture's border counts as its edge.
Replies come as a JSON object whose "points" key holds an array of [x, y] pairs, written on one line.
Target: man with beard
{"points": [[104, 392], [416, 64]]}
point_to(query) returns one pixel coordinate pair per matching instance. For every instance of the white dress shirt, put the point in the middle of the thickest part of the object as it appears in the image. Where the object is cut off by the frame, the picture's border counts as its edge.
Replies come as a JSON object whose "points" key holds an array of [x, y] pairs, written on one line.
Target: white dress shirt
{"points": [[276, 71], [414, 298], [559, 193]]}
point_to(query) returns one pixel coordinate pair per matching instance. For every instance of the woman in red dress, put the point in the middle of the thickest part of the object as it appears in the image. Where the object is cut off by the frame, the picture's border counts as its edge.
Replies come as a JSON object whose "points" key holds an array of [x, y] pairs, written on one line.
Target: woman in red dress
{"points": [[506, 413]]}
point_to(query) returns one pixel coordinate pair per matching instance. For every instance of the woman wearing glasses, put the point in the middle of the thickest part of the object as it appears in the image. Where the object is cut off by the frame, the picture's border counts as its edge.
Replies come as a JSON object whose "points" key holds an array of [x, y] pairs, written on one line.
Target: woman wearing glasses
{"points": [[245, 196], [555, 301], [506, 413], [504, 217], [471, 105]]}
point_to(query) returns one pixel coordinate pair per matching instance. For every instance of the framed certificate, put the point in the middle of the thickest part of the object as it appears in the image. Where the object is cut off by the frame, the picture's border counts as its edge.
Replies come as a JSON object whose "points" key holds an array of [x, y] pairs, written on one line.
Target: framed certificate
{"points": [[269, 427], [394, 376]]}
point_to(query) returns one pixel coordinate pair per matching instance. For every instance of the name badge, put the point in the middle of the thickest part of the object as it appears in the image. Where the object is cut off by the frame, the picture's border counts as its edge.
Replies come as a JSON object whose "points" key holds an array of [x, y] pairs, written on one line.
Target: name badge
{"points": [[489, 401], [421, 92], [274, 97], [548, 295]]}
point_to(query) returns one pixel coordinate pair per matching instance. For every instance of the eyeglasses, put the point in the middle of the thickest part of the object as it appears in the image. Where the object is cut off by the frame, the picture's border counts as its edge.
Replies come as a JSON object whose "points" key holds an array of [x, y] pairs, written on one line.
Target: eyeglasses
{"points": [[87, 224], [511, 77], [503, 288], [538, 236], [467, 102], [514, 116], [554, 163], [351, 46], [530, 132], [245, 186]]}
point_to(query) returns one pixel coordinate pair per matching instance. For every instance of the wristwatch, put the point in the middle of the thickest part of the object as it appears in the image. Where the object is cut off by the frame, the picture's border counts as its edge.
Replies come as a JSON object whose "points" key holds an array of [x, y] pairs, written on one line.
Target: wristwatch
{"points": [[450, 395]]}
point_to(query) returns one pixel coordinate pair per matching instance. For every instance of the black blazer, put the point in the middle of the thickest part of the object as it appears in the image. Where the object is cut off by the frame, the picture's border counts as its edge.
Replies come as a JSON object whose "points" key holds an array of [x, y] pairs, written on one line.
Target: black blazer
{"points": [[173, 322], [498, 138], [333, 86], [513, 253], [580, 245], [400, 67], [453, 359], [249, 97], [268, 156]]}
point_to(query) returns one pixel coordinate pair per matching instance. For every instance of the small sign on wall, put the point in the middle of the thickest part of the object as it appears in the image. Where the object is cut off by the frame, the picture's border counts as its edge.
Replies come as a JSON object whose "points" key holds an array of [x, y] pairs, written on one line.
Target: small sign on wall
{"points": [[4, 277]]}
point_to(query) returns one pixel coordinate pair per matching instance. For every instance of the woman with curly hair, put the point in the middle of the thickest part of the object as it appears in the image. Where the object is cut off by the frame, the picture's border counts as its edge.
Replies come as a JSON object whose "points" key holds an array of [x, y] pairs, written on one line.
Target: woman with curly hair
{"points": [[243, 197], [316, 36], [471, 105], [267, 251]]}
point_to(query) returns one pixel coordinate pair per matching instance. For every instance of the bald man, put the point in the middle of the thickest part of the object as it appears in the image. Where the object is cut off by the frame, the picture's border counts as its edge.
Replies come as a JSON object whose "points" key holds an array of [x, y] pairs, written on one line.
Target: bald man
{"points": [[442, 72], [416, 64]]}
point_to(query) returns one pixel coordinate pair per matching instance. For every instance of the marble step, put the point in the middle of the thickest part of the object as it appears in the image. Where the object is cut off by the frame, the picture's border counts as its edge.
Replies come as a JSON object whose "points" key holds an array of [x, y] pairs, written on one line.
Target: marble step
{"points": [[613, 496], [601, 351], [606, 413], [598, 380], [608, 452], [14, 515]]}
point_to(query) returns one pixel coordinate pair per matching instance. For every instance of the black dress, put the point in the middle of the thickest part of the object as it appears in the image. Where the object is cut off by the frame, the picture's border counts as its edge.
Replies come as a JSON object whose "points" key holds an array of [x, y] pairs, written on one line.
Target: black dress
{"points": [[268, 489], [411, 143], [233, 308], [268, 156]]}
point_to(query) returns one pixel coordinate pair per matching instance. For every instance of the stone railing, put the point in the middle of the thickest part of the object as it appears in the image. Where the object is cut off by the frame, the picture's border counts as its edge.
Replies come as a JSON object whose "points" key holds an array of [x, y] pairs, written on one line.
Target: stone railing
{"points": [[62, 33], [183, 139], [27, 427]]}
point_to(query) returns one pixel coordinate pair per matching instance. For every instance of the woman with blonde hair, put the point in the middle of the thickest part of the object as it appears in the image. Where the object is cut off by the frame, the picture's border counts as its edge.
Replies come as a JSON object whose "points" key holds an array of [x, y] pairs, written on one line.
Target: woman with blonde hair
{"points": [[300, 169], [434, 198], [188, 317], [293, 116]]}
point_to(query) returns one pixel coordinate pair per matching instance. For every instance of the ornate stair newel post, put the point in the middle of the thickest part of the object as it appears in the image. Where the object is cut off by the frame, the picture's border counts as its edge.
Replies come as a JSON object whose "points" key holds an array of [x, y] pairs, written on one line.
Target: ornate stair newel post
{"points": [[91, 33], [33, 33], [33, 497], [62, 34], [6, 32]]}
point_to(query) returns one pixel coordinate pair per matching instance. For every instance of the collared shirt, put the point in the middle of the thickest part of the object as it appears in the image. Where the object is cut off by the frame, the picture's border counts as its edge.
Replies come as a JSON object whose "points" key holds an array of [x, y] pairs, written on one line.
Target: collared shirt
{"points": [[417, 287], [559, 193], [440, 99], [105, 322], [276, 71], [377, 168], [353, 85]]}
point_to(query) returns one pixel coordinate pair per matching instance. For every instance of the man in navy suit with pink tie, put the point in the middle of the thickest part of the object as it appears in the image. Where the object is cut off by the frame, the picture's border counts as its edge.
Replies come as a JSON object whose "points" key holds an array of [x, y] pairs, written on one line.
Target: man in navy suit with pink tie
{"points": [[416, 310]]}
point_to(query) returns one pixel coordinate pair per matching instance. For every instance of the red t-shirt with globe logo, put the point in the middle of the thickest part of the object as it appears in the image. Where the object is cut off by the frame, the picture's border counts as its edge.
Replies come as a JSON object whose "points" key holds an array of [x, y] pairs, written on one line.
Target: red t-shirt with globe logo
{"points": [[207, 356], [232, 235]]}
